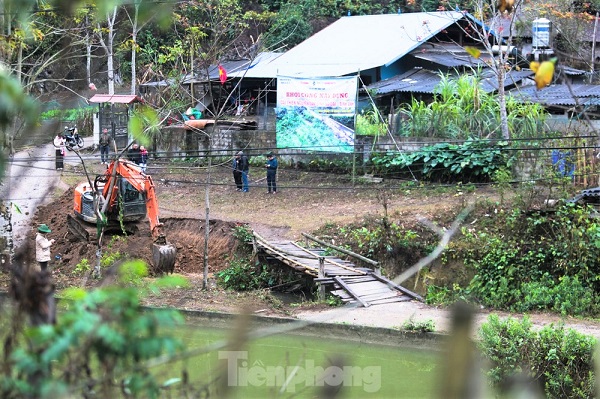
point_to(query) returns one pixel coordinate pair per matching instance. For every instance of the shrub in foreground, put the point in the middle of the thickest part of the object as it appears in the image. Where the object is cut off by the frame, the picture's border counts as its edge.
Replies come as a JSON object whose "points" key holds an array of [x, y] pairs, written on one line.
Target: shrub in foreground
{"points": [[560, 360]]}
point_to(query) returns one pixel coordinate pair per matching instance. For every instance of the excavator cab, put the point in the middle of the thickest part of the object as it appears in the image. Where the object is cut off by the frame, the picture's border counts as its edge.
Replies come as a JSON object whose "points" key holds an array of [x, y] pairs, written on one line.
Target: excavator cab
{"points": [[133, 201]]}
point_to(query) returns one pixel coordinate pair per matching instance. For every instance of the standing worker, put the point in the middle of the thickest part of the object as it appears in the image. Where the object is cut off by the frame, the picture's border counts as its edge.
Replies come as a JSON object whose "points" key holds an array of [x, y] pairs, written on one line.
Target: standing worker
{"points": [[245, 168], [59, 143], [42, 246], [237, 171], [134, 153], [143, 158], [271, 166], [105, 140]]}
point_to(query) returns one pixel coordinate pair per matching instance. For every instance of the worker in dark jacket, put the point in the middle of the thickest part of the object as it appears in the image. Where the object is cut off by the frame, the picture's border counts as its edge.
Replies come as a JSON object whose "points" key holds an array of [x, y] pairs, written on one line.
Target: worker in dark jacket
{"points": [[271, 166], [237, 171], [245, 168], [105, 140], [134, 154]]}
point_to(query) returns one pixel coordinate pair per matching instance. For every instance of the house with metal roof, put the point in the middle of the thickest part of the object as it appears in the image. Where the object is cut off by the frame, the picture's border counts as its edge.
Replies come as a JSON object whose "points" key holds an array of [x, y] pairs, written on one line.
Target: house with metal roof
{"points": [[570, 100], [372, 46]]}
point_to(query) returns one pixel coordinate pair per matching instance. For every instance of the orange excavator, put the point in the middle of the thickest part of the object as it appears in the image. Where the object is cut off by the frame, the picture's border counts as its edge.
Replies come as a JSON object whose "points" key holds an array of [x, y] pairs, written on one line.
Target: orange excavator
{"points": [[117, 199]]}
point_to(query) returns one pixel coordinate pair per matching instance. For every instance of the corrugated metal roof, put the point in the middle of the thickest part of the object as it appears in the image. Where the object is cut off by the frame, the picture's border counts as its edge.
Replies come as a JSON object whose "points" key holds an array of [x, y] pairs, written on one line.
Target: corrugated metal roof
{"points": [[446, 57], [358, 43], [261, 67], [416, 80], [115, 98], [419, 80], [572, 71], [559, 95], [489, 81]]}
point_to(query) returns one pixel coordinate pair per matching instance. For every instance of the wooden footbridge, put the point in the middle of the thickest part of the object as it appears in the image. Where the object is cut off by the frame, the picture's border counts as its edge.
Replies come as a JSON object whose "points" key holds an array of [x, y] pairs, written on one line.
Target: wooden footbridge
{"points": [[363, 286]]}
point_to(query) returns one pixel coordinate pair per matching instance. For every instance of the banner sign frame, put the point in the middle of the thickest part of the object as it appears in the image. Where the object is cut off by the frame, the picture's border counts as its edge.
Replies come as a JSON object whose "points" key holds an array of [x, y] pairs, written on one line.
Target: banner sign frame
{"points": [[316, 114]]}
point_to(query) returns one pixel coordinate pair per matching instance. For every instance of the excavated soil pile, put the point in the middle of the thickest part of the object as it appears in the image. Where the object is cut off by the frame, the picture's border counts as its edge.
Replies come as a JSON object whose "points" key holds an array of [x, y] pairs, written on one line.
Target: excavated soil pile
{"points": [[186, 234]]}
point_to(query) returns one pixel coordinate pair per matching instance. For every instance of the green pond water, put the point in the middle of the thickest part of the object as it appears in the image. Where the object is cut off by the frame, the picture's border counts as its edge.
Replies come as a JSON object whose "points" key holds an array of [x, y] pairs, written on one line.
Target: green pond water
{"points": [[262, 368]]}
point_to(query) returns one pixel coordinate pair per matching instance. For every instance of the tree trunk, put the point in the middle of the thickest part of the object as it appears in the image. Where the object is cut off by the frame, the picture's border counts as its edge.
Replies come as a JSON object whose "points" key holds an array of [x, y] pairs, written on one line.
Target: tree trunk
{"points": [[502, 103], [110, 61], [107, 46], [207, 219], [134, 32], [88, 52]]}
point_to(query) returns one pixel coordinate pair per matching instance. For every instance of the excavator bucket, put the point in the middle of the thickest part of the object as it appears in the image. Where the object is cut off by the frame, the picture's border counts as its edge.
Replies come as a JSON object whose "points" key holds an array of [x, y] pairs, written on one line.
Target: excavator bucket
{"points": [[163, 257]]}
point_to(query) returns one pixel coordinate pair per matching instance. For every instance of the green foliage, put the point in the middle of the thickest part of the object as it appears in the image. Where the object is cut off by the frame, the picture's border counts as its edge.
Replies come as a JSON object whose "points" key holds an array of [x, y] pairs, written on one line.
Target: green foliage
{"points": [[369, 124], [73, 115], [109, 258], [502, 178], [143, 124], [334, 301], [418, 326], [82, 267], [377, 238], [337, 165], [101, 343], [535, 261], [243, 233], [289, 28], [133, 272], [567, 296], [560, 360], [463, 110], [471, 161], [437, 295], [242, 275]]}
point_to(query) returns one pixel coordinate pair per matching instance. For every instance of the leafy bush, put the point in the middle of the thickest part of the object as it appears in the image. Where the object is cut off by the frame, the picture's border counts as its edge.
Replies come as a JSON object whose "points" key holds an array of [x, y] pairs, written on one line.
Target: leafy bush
{"points": [[82, 267], [243, 233], [71, 115], [560, 360], [567, 297], [437, 295], [471, 161], [101, 343], [535, 262], [461, 110], [241, 275], [369, 124]]}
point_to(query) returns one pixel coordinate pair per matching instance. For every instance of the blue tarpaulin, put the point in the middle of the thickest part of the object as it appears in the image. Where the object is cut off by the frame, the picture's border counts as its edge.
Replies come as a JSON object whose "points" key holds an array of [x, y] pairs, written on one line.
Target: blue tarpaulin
{"points": [[563, 163]]}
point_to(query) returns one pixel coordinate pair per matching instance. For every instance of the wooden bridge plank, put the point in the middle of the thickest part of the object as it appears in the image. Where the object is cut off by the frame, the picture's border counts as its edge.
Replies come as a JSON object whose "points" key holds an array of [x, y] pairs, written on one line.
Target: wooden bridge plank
{"points": [[350, 291], [398, 287], [403, 298], [349, 283], [328, 260]]}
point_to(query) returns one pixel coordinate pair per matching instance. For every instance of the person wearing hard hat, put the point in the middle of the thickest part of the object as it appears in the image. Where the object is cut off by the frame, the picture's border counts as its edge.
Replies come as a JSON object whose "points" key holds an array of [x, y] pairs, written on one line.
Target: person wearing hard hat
{"points": [[42, 246]]}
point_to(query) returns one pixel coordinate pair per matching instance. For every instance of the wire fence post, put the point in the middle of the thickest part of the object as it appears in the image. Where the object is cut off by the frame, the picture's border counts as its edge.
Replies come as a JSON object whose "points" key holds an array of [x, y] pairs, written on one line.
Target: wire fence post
{"points": [[321, 276]]}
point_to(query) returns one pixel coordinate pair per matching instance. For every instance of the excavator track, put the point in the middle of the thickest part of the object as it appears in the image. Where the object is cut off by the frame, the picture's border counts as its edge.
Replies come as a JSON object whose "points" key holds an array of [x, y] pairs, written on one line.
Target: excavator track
{"points": [[77, 229], [85, 231]]}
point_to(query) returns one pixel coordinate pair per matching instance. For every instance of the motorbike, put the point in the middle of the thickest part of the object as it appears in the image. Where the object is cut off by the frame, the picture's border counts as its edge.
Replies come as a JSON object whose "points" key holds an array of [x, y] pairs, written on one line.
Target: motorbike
{"points": [[72, 139]]}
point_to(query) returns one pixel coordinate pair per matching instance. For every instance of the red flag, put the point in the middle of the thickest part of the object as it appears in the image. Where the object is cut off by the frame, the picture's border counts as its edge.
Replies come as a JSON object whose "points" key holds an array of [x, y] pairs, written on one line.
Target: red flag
{"points": [[222, 75]]}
